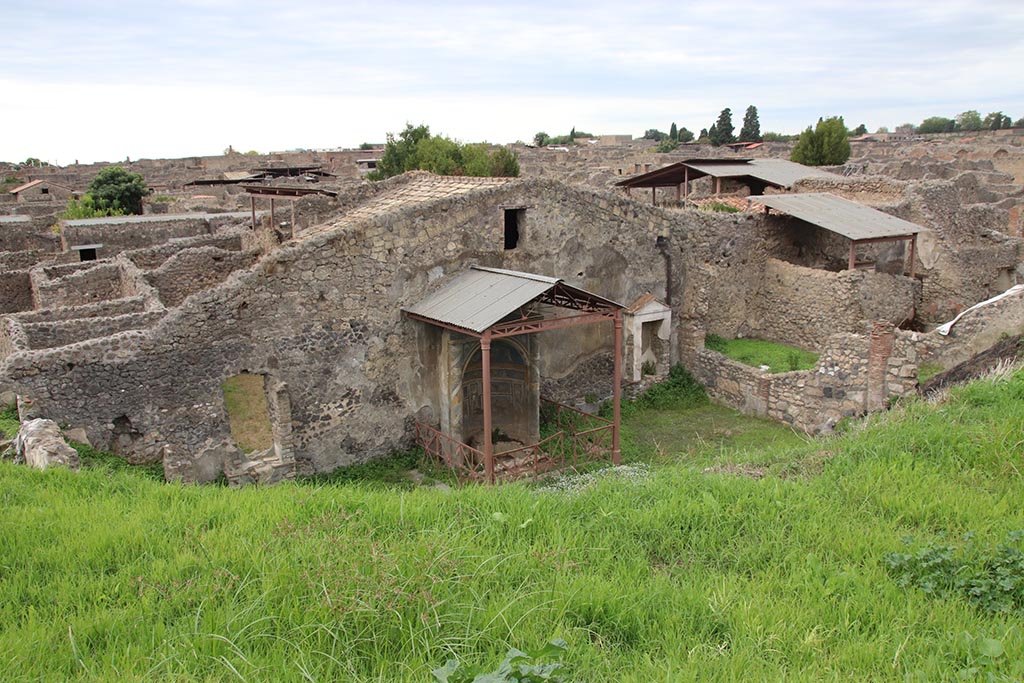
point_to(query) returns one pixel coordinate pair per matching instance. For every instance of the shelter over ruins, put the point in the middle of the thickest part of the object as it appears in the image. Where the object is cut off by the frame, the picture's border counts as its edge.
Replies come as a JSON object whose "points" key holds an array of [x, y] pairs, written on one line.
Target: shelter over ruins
{"points": [[755, 174]]}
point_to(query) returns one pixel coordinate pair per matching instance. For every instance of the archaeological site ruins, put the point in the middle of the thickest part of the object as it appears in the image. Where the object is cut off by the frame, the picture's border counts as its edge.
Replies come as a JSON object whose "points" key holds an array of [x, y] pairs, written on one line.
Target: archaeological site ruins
{"points": [[452, 311]]}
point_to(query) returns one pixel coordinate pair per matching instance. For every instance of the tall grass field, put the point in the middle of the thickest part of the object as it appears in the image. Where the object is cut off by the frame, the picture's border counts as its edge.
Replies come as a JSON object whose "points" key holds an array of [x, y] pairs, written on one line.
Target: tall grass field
{"points": [[889, 553]]}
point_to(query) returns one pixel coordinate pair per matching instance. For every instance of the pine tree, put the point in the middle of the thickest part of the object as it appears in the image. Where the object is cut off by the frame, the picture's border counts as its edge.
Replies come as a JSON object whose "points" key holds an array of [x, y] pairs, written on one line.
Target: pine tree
{"points": [[713, 135], [725, 128], [751, 131], [673, 132]]}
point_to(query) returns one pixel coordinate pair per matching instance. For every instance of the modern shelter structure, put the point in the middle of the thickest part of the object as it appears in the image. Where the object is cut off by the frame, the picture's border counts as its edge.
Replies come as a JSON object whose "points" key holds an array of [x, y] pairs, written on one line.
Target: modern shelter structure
{"points": [[756, 174], [858, 223], [488, 366]]}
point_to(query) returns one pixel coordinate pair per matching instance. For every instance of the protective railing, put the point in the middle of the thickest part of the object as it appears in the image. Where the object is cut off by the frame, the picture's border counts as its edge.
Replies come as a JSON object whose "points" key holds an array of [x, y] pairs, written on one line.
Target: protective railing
{"points": [[581, 438]]}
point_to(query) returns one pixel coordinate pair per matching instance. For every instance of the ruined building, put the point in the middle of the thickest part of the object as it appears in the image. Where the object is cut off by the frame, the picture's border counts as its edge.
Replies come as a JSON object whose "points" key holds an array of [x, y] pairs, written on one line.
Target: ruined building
{"points": [[133, 340]]}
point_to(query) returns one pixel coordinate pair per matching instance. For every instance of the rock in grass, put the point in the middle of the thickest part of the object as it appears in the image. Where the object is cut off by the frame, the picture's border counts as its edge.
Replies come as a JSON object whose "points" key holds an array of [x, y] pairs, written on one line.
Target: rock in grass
{"points": [[40, 444]]}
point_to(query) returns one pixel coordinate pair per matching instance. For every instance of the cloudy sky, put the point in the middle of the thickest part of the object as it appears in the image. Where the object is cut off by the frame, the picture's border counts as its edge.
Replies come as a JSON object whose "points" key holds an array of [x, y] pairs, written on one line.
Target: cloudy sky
{"points": [[107, 79]]}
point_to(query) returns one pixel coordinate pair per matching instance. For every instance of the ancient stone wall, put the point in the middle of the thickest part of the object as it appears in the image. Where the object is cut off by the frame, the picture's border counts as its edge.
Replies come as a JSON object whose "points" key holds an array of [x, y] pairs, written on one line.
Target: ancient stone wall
{"points": [[15, 291], [76, 284], [806, 306], [320, 319], [976, 331], [193, 270], [22, 233], [118, 233], [855, 374], [45, 335]]}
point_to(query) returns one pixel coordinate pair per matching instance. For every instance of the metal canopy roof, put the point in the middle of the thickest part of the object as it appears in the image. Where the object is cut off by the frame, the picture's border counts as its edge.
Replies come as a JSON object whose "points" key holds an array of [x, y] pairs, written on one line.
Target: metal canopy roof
{"points": [[778, 172], [481, 297], [835, 214]]}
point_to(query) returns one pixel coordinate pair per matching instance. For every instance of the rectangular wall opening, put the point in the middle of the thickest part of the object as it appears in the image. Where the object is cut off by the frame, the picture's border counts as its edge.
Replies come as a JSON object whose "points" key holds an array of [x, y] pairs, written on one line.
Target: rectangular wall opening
{"points": [[245, 398], [513, 227]]}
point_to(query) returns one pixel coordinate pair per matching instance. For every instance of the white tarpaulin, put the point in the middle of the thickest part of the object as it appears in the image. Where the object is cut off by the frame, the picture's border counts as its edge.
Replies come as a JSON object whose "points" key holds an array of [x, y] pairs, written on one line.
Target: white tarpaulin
{"points": [[944, 328]]}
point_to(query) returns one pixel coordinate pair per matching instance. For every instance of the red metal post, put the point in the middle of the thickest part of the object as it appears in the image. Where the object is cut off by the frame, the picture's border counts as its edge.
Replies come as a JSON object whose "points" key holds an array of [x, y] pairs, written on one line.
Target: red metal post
{"points": [[853, 254], [252, 201], [617, 390], [271, 213], [485, 354], [913, 254], [686, 181]]}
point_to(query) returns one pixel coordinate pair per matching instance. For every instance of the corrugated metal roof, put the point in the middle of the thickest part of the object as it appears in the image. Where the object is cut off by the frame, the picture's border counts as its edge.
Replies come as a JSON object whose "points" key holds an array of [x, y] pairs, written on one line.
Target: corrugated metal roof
{"points": [[849, 219], [778, 172], [480, 297], [775, 171]]}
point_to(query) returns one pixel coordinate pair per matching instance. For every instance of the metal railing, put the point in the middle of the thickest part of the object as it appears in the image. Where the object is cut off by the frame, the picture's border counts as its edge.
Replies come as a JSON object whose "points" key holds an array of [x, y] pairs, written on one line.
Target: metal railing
{"points": [[581, 438]]}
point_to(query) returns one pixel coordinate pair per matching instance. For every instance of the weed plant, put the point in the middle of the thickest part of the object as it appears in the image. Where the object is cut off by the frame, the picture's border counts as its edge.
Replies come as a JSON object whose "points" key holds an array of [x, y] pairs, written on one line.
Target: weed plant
{"points": [[679, 576]]}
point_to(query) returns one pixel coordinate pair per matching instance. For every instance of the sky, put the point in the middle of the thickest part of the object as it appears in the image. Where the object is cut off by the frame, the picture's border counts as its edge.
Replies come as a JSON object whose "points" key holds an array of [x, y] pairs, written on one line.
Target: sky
{"points": [[105, 80]]}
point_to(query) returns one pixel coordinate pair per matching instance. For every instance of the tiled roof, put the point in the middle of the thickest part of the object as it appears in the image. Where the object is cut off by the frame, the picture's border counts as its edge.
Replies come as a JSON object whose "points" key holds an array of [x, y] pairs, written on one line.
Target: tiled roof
{"points": [[419, 189]]}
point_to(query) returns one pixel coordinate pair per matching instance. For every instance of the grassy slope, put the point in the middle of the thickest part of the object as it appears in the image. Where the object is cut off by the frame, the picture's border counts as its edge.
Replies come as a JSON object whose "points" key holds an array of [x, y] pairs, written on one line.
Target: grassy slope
{"points": [[107, 575]]}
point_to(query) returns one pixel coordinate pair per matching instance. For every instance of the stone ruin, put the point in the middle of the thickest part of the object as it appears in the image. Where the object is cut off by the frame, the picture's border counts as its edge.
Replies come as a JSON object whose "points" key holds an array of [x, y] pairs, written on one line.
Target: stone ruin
{"points": [[127, 329]]}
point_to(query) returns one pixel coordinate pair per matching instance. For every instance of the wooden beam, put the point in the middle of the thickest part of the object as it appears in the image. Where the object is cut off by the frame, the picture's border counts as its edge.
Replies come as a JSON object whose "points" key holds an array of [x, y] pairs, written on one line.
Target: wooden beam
{"points": [[853, 255], [252, 201]]}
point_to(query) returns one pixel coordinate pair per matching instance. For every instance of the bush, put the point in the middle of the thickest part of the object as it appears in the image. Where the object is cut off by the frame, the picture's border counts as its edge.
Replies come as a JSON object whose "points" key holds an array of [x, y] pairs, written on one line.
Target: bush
{"points": [[88, 207], [118, 189], [826, 145]]}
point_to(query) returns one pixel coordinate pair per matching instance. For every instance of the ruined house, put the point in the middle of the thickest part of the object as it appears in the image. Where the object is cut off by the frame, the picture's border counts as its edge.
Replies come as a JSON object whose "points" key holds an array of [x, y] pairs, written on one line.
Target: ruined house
{"points": [[135, 346]]}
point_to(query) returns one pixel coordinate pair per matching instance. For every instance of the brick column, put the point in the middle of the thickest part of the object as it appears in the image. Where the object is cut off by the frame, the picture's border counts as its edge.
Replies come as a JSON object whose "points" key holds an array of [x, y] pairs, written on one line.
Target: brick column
{"points": [[882, 336]]}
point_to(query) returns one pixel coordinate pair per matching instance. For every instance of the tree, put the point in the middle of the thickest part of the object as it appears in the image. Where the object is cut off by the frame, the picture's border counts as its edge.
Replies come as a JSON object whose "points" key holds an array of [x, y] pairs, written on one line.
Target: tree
{"points": [[905, 129], [667, 145], [673, 132], [826, 145], [416, 148], [88, 207], [968, 120], [399, 153], [685, 135], [654, 134], [937, 124], [751, 130], [1019, 123], [860, 130], [996, 120], [704, 136], [883, 130], [116, 188], [541, 139], [725, 128], [713, 135]]}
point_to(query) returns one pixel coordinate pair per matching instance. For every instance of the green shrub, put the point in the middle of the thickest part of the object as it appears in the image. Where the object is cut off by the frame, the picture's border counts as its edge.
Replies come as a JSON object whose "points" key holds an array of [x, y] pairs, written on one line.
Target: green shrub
{"points": [[719, 207]]}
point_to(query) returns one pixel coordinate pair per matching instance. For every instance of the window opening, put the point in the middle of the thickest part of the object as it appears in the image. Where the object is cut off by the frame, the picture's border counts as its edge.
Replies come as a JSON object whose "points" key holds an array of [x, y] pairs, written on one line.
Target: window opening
{"points": [[513, 219]]}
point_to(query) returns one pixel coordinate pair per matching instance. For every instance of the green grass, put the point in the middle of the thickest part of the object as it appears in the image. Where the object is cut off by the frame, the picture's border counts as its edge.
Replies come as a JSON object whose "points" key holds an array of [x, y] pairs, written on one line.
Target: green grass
{"points": [[925, 371], [248, 415], [682, 576], [757, 352]]}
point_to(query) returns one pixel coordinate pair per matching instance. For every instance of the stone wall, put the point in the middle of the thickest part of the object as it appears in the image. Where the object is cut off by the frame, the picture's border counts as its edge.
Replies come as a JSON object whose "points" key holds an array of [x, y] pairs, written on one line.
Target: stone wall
{"points": [[856, 374], [976, 331], [15, 291], [193, 270], [45, 335], [22, 233], [121, 233], [806, 306], [76, 284], [320, 319]]}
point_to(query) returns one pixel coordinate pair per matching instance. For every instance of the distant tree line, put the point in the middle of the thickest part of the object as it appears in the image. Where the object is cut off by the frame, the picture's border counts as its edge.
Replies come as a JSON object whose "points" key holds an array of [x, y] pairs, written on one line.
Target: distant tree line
{"points": [[416, 149], [969, 120], [542, 139]]}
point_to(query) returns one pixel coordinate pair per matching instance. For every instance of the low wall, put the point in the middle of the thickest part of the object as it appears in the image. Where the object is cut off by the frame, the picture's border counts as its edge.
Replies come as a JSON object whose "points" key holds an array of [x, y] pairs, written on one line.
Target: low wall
{"points": [[46, 335], [194, 270], [856, 374], [805, 306], [153, 257], [118, 234], [97, 283], [102, 309]]}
